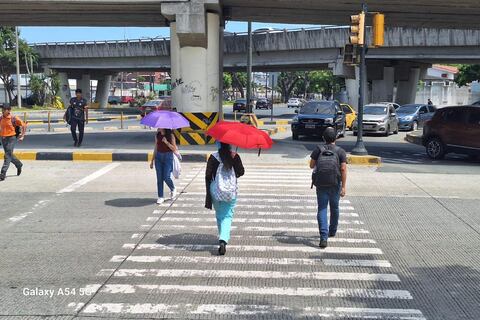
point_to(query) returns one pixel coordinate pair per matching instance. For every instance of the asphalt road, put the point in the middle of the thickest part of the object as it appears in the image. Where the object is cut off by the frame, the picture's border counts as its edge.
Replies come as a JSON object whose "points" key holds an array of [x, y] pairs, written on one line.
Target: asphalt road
{"points": [[86, 240]]}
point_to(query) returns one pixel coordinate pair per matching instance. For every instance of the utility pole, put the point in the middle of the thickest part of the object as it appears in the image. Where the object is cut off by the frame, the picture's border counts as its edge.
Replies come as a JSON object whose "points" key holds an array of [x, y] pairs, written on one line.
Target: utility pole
{"points": [[358, 28], [19, 84], [249, 69]]}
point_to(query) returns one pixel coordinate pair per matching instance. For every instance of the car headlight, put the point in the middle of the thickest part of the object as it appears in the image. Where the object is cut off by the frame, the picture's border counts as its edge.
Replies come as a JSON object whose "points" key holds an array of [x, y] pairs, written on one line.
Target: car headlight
{"points": [[329, 121], [408, 118]]}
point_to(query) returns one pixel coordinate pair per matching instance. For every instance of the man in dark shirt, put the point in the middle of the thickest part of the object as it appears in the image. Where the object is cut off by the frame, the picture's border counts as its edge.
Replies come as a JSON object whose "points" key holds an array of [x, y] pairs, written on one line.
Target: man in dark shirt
{"points": [[330, 194], [79, 117]]}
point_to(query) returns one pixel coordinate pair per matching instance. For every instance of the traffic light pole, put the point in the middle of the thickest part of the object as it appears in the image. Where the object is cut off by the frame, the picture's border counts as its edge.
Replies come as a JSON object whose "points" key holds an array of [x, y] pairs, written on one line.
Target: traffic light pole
{"points": [[249, 69], [359, 149]]}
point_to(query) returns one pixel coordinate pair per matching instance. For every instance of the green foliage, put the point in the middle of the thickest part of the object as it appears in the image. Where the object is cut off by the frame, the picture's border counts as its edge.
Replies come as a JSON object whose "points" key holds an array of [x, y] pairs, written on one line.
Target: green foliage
{"points": [[467, 74], [227, 81], [325, 82]]}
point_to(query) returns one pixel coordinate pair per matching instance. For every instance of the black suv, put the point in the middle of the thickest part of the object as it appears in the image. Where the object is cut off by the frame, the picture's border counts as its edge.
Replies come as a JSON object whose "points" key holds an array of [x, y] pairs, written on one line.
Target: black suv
{"points": [[263, 103], [315, 116]]}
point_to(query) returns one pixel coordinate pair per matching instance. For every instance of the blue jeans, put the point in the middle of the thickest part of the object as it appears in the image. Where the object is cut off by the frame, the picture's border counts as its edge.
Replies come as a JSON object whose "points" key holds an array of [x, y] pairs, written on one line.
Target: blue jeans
{"points": [[324, 196], [224, 213], [164, 167]]}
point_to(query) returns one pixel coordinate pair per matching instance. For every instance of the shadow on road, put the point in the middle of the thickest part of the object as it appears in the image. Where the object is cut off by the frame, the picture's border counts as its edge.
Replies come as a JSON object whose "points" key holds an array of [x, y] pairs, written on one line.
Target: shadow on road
{"points": [[130, 202]]}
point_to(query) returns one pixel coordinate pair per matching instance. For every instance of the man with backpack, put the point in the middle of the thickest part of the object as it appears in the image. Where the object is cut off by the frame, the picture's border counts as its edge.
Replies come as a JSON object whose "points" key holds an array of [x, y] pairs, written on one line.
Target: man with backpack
{"points": [[329, 164], [11, 129], [77, 116]]}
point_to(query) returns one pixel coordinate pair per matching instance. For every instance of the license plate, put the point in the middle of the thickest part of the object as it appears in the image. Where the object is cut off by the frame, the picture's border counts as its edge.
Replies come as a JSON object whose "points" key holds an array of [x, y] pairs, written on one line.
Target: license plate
{"points": [[310, 126]]}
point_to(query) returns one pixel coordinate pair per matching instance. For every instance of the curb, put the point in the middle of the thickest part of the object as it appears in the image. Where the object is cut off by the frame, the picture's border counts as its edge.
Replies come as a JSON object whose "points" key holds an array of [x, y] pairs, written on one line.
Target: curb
{"points": [[364, 160], [276, 123], [99, 156], [103, 119], [414, 138]]}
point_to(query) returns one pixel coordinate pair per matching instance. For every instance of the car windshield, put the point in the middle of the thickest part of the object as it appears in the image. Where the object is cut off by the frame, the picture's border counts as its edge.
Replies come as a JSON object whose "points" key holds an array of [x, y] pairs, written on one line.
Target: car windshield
{"points": [[241, 101], [293, 100], [318, 107], [408, 109], [375, 110]]}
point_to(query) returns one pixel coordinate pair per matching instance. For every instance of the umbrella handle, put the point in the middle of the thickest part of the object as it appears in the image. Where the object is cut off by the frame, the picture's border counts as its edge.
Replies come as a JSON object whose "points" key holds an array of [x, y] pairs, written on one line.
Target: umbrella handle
{"points": [[259, 151]]}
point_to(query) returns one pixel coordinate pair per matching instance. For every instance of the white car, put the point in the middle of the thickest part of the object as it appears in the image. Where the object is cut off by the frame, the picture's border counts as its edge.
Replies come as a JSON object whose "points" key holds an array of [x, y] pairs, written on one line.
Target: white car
{"points": [[295, 103]]}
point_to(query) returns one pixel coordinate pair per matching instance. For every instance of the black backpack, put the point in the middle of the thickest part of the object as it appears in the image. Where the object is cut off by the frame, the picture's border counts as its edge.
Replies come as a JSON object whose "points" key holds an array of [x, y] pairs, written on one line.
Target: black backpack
{"points": [[327, 169]]}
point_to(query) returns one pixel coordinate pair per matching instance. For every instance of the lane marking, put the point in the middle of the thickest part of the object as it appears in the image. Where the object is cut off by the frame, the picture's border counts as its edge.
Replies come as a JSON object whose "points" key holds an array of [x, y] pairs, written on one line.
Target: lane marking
{"points": [[250, 220], [274, 237], [201, 195], [240, 248], [89, 178], [263, 229], [314, 261], [239, 211]]}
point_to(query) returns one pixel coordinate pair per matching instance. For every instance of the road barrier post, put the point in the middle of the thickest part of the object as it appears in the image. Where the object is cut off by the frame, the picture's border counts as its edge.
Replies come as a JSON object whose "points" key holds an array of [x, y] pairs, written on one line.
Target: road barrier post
{"points": [[121, 120], [49, 124], [24, 117]]}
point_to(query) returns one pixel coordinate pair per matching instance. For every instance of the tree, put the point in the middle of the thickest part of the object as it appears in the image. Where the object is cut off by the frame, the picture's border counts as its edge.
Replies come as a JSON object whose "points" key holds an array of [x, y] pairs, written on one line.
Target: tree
{"points": [[227, 81], [467, 73], [287, 82], [8, 57], [239, 81], [325, 83]]}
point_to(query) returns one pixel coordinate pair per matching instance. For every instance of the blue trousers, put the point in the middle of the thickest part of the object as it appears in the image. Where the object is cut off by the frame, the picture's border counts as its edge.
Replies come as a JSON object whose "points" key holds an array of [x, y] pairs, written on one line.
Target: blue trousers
{"points": [[164, 167], [324, 197], [224, 212]]}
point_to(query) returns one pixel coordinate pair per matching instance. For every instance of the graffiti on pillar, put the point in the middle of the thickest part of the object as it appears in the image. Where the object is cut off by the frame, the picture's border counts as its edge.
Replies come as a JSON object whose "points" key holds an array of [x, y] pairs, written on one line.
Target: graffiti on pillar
{"points": [[214, 93], [177, 83], [191, 90]]}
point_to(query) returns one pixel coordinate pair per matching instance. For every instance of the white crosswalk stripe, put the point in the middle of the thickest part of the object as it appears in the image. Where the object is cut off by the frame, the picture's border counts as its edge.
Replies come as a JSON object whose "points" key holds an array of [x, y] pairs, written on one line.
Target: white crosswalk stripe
{"points": [[273, 265]]}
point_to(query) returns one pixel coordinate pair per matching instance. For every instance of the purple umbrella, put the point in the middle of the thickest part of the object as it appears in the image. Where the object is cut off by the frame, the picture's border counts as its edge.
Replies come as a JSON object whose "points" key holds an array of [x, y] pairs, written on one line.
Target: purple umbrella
{"points": [[165, 119]]}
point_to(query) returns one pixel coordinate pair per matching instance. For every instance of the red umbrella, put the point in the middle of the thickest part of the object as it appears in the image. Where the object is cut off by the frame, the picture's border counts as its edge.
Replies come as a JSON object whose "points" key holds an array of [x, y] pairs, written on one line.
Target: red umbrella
{"points": [[241, 135]]}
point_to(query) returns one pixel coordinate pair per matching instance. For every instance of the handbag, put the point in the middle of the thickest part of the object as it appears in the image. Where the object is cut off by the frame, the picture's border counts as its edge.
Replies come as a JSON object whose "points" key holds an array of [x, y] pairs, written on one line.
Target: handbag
{"points": [[177, 167]]}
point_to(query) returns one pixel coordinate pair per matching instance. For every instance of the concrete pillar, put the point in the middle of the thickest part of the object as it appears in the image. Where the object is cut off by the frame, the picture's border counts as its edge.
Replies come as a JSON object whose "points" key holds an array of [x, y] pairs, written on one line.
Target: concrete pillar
{"points": [[407, 89], [64, 93], [382, 90], [195, 70], [103, 91], [84, 84], [353, 90]]}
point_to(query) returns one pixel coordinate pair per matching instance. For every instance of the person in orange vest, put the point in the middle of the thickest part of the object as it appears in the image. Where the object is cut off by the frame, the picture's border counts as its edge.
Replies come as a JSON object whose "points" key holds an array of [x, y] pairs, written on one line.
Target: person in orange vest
{"points": [[11, 129]]}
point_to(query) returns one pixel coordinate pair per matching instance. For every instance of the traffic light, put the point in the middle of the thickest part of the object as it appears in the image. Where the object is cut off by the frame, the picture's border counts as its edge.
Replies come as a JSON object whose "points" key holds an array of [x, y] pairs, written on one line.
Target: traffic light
{"points": [[357, 29], [378, 29]]}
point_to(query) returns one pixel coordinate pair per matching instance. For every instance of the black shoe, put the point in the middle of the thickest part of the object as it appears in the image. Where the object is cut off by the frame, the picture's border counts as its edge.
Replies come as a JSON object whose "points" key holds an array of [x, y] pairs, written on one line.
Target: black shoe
{"points": [[19, 171], [332, 234], [79, 145], [2, 177], [75, 144], [323, 244], [223, 248]]}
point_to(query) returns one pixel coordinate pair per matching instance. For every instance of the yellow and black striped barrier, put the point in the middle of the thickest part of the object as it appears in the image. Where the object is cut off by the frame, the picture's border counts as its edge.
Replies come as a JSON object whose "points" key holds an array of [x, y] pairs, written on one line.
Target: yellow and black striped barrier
{"points": [[188, 138], [250, 118], [200, 121]]}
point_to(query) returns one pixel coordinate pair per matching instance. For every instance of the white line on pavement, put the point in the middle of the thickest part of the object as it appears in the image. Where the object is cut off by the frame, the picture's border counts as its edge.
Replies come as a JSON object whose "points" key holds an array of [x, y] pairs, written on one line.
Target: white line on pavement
{"points": [[299, 197], [89, 178], [262, 229], [239, 248], [248, 274], [239, 212], [255, 261], [245, 220], [252, 311]]}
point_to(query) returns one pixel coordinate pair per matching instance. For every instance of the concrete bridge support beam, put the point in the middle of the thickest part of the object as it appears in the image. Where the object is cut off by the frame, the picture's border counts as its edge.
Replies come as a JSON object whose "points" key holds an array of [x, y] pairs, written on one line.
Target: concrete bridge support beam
{"points": [[353, 90], [103, 91], [65, 93], [407, 89], [84, 84], [382, 90]]}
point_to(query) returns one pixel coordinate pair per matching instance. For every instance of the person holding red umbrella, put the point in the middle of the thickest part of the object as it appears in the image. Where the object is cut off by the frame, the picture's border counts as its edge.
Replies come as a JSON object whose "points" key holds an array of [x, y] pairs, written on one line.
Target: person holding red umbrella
{"points": [[223, 169]]}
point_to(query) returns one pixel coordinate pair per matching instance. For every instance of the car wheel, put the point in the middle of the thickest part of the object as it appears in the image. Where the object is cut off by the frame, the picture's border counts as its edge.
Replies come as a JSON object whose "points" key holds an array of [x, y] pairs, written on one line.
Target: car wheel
{"points": [[355, 133], [387, 131], [435, 148], [414, 126]]}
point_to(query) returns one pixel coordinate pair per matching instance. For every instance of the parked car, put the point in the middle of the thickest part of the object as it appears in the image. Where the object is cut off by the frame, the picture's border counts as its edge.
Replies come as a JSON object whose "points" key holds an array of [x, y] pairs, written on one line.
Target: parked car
{"points": [[157, 104], [263, 103], [315, 116], [453, 129], [114, 100], [350, 114], [411, 116], [378, 118], [127, 99], [476, 103], [240, 105], [395, 105], [295, 103]]}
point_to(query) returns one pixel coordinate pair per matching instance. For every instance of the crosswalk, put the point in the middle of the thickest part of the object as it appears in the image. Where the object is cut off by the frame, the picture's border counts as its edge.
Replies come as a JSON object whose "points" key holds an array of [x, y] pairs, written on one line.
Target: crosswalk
{"points": [[273, 268]]}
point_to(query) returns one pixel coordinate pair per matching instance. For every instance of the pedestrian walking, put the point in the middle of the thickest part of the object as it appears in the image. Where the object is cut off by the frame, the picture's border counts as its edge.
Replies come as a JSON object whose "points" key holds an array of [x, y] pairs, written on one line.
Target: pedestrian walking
{"points": [[329, 164], [429, 102], [11, 129], [165, 147], [77, 116], [223, 169]]}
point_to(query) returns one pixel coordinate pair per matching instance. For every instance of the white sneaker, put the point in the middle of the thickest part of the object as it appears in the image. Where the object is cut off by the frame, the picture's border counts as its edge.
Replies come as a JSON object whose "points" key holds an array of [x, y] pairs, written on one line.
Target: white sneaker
{"points": [[160, 200], [173, 194]]}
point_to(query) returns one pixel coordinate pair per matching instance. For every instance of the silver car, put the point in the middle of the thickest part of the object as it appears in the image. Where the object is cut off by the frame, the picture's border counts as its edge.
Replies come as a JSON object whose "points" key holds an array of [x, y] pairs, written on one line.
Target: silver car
{"points": [[378, 118]]}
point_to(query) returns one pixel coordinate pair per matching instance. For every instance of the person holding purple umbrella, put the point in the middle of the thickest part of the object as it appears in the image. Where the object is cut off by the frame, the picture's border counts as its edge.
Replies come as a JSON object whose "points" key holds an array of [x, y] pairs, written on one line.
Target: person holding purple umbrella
{"points": [[165, 146]]}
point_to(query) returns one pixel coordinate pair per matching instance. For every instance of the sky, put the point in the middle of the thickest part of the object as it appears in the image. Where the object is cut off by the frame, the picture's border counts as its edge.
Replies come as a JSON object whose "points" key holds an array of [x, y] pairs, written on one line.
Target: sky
{"points": [[67, 34]]}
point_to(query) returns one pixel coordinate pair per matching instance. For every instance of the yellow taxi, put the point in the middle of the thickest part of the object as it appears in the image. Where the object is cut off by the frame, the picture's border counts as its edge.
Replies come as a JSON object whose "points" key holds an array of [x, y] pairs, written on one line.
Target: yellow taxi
{"points": [[350, 114]]}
